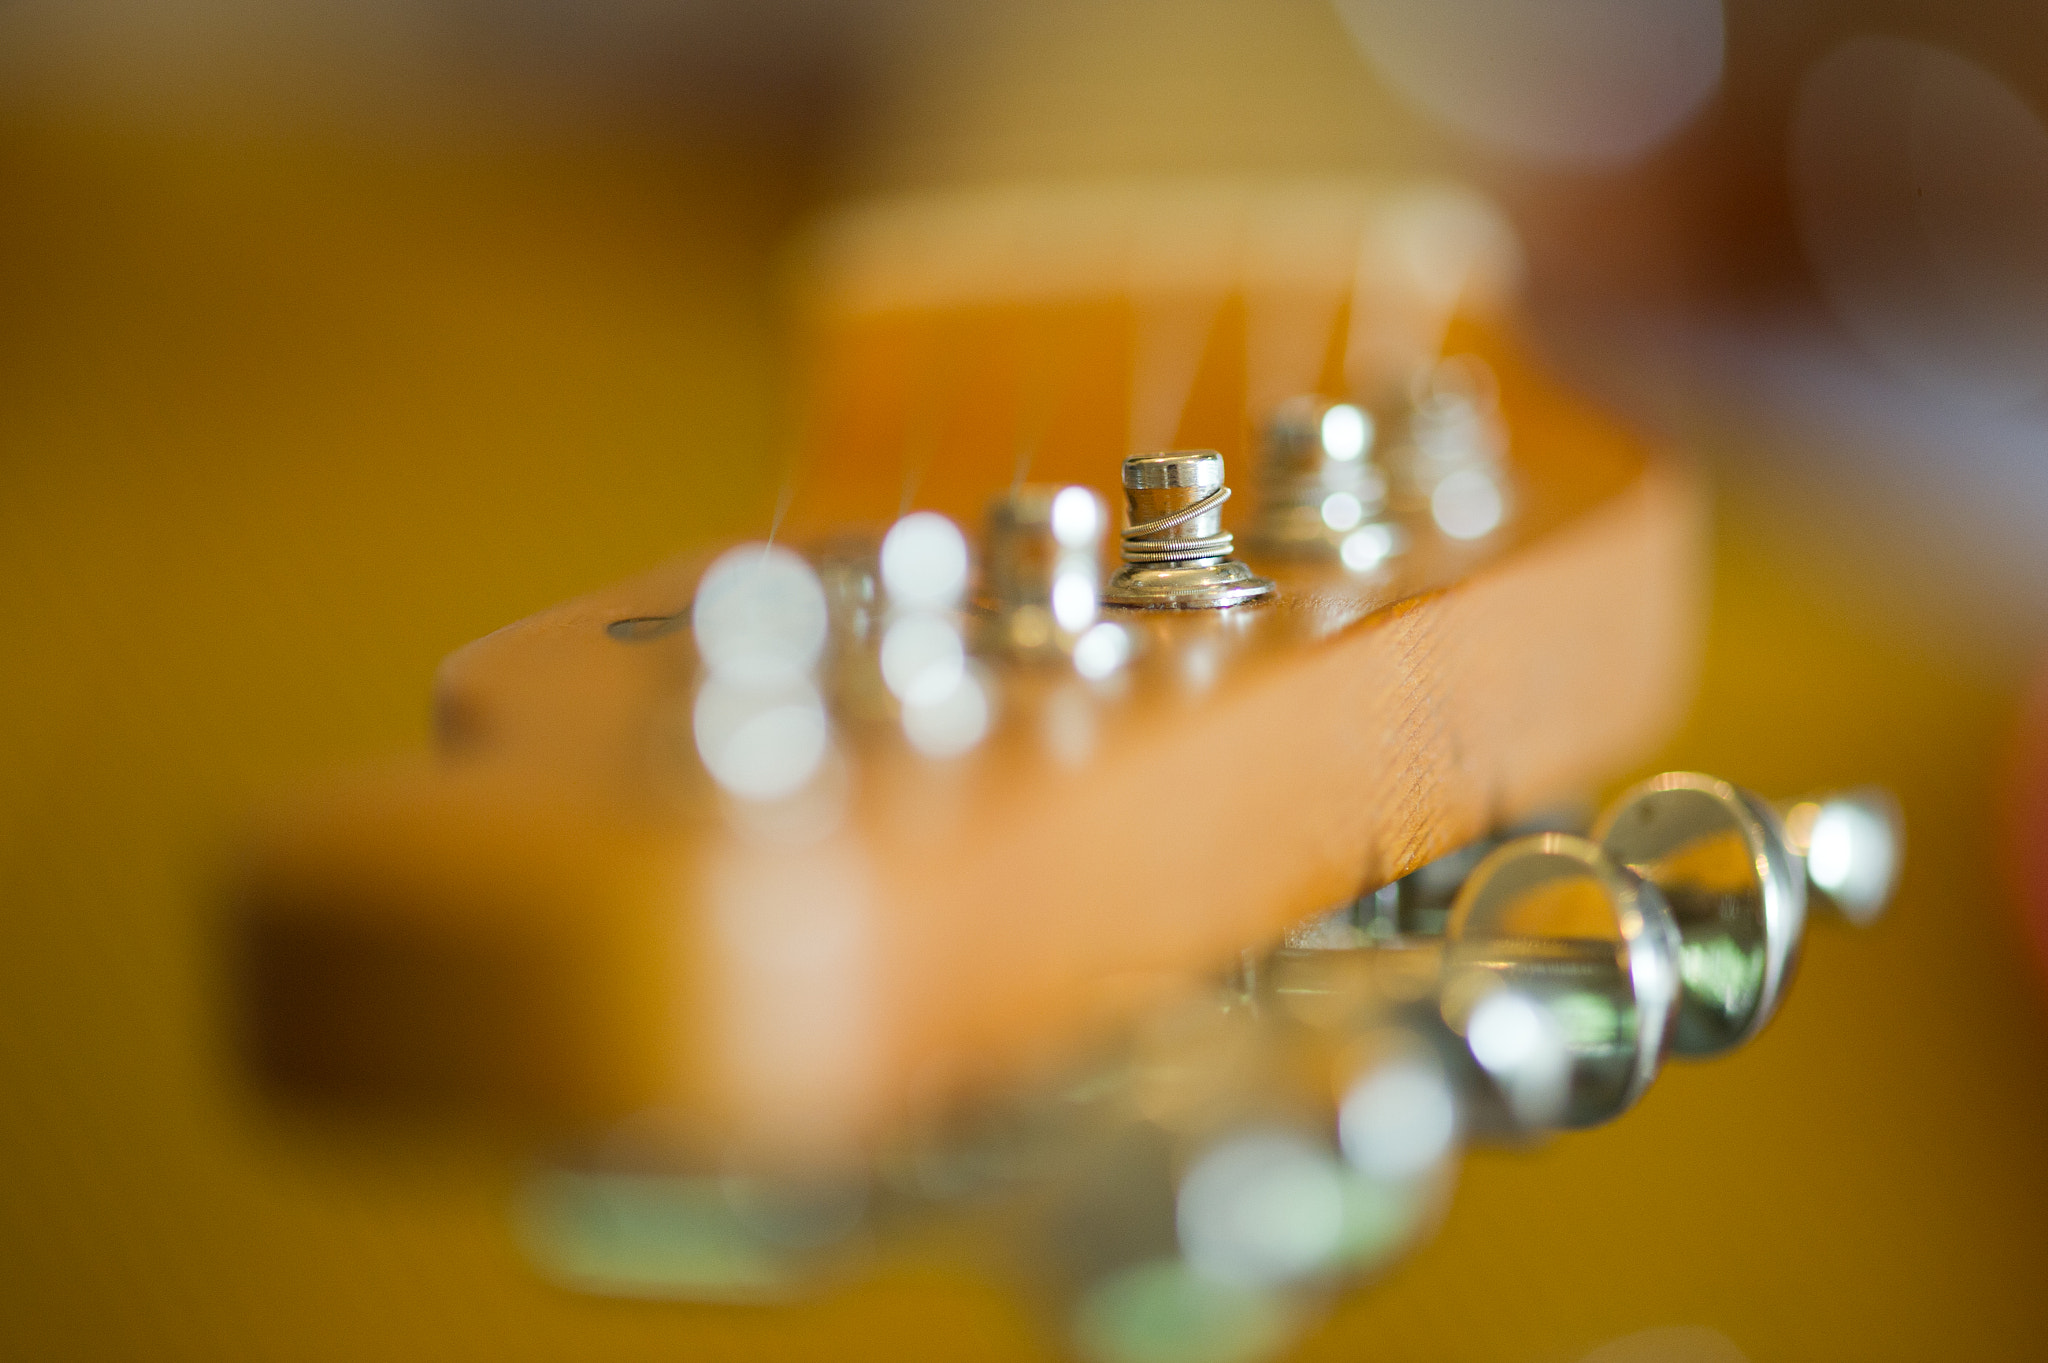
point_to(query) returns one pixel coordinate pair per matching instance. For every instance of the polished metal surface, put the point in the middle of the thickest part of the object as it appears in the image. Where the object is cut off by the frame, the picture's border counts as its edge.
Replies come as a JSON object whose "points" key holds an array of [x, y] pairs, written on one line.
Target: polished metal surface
{"points": [[1736, 890], [1322, 492], [1552, 916], [899, 648], [1176, 552], [1447, 459], [1202, 1185], [1041, 587], [1853, 843]]}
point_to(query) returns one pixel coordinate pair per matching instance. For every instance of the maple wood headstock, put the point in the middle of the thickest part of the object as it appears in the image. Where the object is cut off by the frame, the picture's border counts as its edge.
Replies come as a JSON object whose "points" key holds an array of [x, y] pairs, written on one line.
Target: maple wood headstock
{"points": [[596, 902]]}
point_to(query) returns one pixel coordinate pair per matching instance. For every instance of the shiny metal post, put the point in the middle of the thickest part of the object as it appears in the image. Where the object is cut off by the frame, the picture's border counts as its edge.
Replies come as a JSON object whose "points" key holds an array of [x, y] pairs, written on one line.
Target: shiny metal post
{"points": [[1177, 555]]}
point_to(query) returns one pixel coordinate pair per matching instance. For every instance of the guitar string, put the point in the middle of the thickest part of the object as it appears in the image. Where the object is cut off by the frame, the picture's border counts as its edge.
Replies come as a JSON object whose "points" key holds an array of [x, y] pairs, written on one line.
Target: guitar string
{"points": [[935, 372], [1045, 391], [798, 437], [1172, 335]]}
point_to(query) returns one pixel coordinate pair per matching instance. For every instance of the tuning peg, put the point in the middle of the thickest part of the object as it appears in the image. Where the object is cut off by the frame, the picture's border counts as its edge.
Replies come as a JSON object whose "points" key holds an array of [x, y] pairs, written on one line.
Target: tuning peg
{"points": [[902, 654], [1510, 1067], [760, 623], [1448, 460], [1176, 551], [1736, 879], [1239, 1170], [1852, 842], [1042, 579], [1322, 491], [1554, 918]]}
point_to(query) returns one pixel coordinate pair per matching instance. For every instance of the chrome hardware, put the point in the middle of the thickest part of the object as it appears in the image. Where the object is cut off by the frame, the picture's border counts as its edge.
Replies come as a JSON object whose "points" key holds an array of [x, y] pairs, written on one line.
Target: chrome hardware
{"points": [[1322, 489], [1234, 1185], [1737, 881], [1727, 880], [759, 620], [899, 652], [942, 701], [1735, 888], [1852, 843], [1042, 578], [1447, 461], [1239, 1155], [1417, 905], [1552, 916], [1176, 552]]}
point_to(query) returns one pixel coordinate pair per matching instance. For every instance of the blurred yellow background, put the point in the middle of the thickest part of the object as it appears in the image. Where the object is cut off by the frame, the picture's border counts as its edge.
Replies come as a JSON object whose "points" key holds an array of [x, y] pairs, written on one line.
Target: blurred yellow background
{"points": [[285, 415]]}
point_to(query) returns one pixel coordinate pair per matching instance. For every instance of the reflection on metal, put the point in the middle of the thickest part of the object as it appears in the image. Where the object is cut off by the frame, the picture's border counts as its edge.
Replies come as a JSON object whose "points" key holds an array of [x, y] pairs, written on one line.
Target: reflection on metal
{"points": [[1399, 1120], [759, 617], [1522, 1044], [1419, 903], [1322, 491], [1043, 579], [1200, 1188], [1853, 844], [1467, 504], [1261, 1208], [1176, 551], [760, 624], [1245, 1166], [924, 563], [950, 723], [1552, 917], [1101, 650], [1448, 459], [760, 743], [1719, 856]]}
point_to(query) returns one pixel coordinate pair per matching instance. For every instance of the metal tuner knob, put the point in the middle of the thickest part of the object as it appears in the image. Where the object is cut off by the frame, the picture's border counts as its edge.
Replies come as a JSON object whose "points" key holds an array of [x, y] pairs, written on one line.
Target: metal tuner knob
{"points": [[1589, 943], [1737, 877]]}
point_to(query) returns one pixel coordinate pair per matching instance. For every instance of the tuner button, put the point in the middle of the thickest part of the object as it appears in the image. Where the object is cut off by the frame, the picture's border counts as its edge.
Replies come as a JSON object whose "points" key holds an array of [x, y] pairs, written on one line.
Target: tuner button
{"points": [[1246, 1170], [1592, 944], [1177, 555], [1852, 842], [1738, 874], [1736, 889]]}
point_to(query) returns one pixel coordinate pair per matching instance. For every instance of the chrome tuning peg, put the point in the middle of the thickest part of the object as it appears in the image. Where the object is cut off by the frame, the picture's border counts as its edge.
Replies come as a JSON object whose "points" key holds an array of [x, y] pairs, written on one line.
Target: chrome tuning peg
{"points": [[1247, 1169], [1853, 843], [1588, 944], [1322, 491], [1448, 458], [1736, 879], [1177, 555], [1041, 583]]}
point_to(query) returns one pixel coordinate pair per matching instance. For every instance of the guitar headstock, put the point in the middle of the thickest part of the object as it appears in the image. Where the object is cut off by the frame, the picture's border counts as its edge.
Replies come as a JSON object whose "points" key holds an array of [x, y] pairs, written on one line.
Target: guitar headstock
{"points": [[785, 847], [1028, 825], [807, 838]]}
